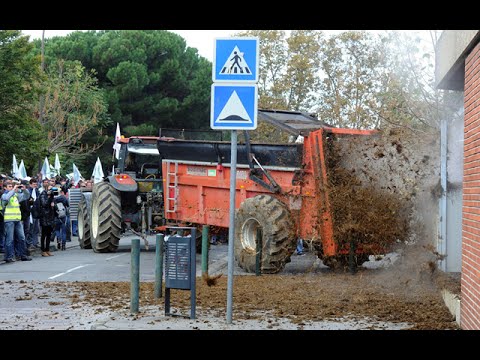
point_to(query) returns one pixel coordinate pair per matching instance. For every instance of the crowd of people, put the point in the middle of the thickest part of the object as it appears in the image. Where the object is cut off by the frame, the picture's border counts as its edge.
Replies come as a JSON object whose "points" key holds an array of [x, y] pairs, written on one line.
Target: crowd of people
{"points": [[28, 212]]}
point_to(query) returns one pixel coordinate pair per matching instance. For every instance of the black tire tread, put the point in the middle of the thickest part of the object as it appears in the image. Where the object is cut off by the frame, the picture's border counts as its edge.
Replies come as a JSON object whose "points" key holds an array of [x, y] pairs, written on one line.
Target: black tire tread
{"points": [[110, 217], [278, 233], [84, 238]]}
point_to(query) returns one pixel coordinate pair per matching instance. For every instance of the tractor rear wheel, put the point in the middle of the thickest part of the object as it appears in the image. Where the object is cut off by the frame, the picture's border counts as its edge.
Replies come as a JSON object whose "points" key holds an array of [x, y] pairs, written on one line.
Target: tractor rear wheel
{"points": [[84, 235], [278, 234], [106, 218]]}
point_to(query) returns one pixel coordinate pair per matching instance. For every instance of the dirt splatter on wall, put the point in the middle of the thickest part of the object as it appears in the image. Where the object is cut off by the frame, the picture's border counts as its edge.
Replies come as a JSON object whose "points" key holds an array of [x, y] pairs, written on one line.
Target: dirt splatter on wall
{"points": [[384, 189]]}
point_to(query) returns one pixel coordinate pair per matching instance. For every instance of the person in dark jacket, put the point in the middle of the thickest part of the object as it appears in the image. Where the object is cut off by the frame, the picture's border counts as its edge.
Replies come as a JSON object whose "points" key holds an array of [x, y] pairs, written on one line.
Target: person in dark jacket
{"points": [[47, 219], [32, 238], [25, 210], [61, 222]]}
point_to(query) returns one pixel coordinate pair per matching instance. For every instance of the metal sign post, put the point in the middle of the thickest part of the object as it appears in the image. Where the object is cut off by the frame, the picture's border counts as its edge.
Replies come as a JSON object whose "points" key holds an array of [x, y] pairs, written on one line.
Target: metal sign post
{"points": [[231, 228], [234, 107]]}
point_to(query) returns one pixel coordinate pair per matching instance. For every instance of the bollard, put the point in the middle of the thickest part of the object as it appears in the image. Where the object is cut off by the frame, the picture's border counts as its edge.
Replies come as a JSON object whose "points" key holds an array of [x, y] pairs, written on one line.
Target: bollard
{"points": [[158, 265], [205, 250], [135, 276], [351, 258], [258, 258]]}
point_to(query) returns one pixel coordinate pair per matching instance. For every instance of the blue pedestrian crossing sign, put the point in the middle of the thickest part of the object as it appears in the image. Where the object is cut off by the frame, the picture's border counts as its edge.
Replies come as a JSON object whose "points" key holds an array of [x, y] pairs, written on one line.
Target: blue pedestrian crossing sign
{"points": [[234, 107], [236, 59]]}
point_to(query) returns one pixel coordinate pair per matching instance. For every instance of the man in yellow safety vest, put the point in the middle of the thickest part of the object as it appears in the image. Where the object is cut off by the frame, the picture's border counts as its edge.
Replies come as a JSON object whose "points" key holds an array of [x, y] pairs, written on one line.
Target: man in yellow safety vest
{"points": [[12, 218]]}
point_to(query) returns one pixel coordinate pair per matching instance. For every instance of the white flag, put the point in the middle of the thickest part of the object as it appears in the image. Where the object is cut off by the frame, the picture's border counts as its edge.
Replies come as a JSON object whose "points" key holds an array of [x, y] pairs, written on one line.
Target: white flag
{"points": [[46, 169], [57, 164], [22, 172], [116, 144], [97, 172], [14, 167], [76, 175]]}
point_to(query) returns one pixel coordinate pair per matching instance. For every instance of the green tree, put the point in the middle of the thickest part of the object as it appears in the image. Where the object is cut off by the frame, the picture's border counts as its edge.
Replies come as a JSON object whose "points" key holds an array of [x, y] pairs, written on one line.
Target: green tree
{"points": [[288, 67], [409, 97], [287, 74], [353, 66], [378, 81], [272, 65], [355, 79], [150, 76], [20, 133], [73, 107], [298, 83], [141, 130]]}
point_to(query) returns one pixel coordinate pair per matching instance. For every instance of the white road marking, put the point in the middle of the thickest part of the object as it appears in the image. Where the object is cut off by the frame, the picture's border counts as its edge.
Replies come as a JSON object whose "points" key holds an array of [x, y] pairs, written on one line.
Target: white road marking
{"points": [[113, 257], [70, 270]]}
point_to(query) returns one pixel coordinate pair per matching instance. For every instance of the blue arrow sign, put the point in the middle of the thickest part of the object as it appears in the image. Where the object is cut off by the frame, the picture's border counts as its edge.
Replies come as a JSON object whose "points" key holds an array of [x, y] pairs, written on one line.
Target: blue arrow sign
{"points": [[236, 59], [234, 107]]}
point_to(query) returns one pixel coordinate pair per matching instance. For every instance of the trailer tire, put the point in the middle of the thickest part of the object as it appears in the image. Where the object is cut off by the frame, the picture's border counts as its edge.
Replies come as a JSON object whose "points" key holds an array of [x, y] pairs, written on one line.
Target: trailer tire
{"points": [[84, 234], [278, 234], [106, 218]]}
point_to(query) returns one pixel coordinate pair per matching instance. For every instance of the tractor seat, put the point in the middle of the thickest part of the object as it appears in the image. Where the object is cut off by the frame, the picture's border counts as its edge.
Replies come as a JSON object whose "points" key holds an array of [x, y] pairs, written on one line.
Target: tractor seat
{"points": [[150, 169]]}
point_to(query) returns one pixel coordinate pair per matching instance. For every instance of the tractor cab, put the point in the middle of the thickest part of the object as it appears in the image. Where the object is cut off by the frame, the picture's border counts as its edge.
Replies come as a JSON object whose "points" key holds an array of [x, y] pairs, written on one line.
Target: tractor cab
{"points": [[139, 158]]}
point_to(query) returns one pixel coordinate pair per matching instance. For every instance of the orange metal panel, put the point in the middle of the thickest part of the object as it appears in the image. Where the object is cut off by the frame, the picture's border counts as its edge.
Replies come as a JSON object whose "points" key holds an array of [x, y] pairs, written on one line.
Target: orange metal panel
{"points": [[350, 131], [313, 148], [146, 139], [204, 191]]}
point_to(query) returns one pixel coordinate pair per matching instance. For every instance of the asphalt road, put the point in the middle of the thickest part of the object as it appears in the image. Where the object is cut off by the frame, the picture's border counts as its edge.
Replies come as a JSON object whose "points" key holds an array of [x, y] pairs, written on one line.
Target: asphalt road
{"points": [[75, 264], [29, 303]]}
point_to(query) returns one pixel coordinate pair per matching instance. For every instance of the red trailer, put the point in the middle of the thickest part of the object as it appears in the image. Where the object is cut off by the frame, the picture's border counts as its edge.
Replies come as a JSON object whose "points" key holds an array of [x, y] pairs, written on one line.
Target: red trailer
{"points": [[279, 187]]}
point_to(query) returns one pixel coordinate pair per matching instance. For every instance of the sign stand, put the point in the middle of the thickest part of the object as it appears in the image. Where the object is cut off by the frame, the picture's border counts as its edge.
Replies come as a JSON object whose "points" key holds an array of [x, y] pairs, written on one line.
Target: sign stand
{"points": [[231, 228], [180, 267], [234, 107]]}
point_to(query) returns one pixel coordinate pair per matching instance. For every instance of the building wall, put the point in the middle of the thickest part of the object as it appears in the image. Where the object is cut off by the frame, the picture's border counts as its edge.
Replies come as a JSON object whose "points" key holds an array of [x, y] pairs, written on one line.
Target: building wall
{"points": [[451, 50], [470, 304], [455, 132]]}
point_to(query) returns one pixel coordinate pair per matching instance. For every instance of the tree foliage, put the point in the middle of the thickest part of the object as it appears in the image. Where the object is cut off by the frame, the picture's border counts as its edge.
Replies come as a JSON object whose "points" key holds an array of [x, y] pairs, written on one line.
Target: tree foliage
{"points": [[272, 63], [150, 79], [73, 107], [298, 83], [21, 134], [353, 67], [410, 98], [287, 68], [150, 76], [354, 79]]}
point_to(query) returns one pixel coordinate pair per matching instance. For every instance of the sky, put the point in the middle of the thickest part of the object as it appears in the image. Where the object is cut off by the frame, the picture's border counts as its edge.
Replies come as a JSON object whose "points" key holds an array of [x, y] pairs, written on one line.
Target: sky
{"points": [[200, 39]]}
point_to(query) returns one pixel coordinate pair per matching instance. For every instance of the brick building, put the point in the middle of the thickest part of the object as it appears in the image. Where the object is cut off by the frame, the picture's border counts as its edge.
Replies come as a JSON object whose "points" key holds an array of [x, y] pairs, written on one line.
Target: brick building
{"points": [[458, 68]]}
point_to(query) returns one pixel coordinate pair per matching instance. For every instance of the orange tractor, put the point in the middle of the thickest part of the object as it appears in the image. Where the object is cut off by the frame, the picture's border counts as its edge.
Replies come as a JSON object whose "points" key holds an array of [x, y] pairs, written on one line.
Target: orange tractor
{"points": [[285, 189]]}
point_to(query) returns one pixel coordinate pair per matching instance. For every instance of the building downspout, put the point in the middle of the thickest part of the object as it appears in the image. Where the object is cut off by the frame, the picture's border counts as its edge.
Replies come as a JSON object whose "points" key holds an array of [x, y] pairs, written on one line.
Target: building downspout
{"points": [[442, 233]]}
